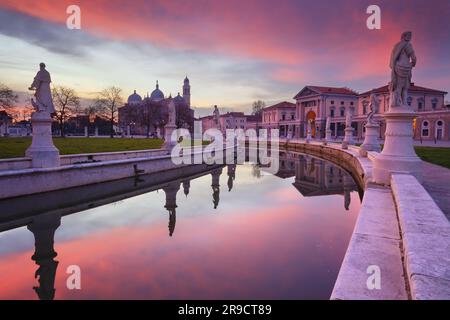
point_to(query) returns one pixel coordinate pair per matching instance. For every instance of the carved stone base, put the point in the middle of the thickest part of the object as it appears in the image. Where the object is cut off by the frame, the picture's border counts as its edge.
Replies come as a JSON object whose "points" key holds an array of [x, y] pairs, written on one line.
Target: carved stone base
{"points": [[371, 142], [42, 150], [348, 138], [398, 155], [168, 143]]}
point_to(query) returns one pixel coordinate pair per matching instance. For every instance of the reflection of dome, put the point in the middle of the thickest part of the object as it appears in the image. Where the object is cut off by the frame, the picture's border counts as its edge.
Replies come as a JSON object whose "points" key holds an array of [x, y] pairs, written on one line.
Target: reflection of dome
{"points": [[157, 95], [134, 98], [179, 99]]}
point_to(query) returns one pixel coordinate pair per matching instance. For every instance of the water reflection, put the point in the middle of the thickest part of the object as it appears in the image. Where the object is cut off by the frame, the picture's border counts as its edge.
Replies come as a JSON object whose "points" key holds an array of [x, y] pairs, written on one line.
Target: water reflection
{"points": [[311, 176]]}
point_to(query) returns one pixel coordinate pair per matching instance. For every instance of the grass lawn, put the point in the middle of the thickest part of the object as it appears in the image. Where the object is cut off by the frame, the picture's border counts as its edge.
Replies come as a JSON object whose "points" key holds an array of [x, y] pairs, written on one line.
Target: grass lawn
{"points": [[439, 156], [15, 147]]}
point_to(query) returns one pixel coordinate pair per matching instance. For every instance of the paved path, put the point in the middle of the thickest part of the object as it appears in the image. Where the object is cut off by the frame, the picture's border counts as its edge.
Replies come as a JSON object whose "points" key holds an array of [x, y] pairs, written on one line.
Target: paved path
{"points": [[436, 180]]}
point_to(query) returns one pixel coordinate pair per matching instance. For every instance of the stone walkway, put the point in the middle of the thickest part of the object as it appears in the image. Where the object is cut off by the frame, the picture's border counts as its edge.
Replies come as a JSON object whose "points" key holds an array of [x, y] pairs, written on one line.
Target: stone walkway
{"points": [[436, 180]]}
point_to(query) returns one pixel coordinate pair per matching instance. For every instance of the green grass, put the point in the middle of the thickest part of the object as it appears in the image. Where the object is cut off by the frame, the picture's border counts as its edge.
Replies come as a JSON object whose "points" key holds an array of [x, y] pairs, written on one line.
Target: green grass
{"points": [[15, 147], [439, 156]]}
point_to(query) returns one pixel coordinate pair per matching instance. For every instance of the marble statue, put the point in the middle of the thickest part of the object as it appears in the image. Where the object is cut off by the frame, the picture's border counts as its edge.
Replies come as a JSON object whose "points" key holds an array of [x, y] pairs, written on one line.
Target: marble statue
{"points": [[374, 106], [172, 114], [348, 119], [216, 114], [403, 59], [43, 94], [328, 124]]}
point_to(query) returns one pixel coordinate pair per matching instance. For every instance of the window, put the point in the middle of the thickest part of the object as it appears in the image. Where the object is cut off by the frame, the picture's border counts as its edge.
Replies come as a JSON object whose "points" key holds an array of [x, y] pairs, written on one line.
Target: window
{"points": [[332, 113], [292, 116], [420, 105], [342, 103], [351, 103], [365, 104], [332, 101], [434, 103], [283, 116], [425, 129], [409, 101], [342, 112]]}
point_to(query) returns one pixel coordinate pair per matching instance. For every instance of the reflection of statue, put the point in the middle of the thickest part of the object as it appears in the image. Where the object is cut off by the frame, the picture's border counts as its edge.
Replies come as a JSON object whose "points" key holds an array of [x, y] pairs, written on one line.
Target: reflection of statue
{"points": [[374, 106], [186, 187], [216, 186], [43, 229], [43, 94], [171, 204], [231, 176], [403, 59]]}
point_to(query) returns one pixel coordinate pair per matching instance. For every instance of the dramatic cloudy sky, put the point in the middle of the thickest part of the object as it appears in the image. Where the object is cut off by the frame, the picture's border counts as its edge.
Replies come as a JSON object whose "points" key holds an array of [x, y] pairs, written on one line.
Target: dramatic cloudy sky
{"points": [[234, 51]]}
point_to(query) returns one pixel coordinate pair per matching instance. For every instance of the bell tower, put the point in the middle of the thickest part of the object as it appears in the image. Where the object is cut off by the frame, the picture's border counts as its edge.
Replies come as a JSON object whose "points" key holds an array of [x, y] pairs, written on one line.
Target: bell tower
{"points": [[187, 91]]}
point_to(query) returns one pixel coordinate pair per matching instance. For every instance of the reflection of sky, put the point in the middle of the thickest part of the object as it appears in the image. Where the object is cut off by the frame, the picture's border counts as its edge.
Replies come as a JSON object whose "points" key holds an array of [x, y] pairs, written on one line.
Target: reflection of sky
{"points": [[264, 241]]}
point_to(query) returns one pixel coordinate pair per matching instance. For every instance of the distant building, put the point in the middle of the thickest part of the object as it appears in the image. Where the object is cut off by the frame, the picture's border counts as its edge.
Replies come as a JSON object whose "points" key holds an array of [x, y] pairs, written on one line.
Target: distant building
{"points": [[5, 123], [433, 117], [20, 129], [148, 116], [230, 120], [280, 116], [314, 104]]}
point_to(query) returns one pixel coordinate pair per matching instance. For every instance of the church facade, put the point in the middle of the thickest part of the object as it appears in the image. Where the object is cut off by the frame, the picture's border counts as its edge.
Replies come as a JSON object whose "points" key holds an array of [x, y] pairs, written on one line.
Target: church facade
{"points": [[147, 116]]}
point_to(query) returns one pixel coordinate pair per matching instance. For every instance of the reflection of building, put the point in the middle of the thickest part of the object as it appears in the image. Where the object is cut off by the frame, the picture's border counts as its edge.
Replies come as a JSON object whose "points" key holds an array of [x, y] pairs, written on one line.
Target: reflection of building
{"points": [[148, 116]]}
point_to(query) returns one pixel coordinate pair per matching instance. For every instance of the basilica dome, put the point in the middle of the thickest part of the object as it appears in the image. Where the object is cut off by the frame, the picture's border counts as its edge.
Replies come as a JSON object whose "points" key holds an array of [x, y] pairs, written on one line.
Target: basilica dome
{"points": [[179, 99], [134, 98], [157, 95]]}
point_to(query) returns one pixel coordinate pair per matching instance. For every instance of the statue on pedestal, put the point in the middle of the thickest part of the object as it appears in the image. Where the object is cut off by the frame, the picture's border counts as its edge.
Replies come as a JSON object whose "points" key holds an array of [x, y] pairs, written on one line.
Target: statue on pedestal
{"points": [[374, 106], [398, 155], [216, 115], [403, 59], [42, 151], [43, 94], [172, 114]]}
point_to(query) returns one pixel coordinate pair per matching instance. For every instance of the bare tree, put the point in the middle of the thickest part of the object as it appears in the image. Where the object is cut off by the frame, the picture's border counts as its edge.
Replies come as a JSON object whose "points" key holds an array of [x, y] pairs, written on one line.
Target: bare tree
{"points": [[7, 97], [66, 103], [257, 107], [108, 103]]}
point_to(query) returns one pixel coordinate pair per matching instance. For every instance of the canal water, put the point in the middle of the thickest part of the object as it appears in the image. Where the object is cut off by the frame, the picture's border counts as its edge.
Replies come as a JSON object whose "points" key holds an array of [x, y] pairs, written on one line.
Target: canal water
{"points": [[230, 232]]}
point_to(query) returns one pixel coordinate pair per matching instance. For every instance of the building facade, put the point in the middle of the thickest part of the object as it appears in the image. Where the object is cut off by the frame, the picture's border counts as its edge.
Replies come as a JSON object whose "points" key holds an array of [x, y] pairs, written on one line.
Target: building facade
{"points": [[280, 116], [5, 123], [315, 103]]}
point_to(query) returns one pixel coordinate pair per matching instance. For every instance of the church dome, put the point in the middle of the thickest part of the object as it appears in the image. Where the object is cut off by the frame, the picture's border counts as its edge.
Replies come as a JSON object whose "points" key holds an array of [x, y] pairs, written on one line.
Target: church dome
{"points": [[157, 95], [134, 98], [179, 99]]}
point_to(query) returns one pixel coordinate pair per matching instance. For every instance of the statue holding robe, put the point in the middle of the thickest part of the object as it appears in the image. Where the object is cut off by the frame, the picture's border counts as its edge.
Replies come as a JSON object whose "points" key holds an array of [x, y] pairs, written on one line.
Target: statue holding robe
{"points": [[216, 115], [374, 106], [403, 59], [43, 94]]}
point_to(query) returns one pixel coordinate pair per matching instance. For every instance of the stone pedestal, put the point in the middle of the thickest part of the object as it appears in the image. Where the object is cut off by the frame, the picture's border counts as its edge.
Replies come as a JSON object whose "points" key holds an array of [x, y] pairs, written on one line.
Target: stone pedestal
{"points": [[168, 143], [371, 142], [348, 138], [96, 131], [86, 132], [398, 155], [42, 150]]}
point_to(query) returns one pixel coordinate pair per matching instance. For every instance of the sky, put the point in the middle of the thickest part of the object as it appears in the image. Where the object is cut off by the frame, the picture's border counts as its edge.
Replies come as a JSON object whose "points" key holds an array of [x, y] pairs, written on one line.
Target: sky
{"points": [[234, 52]]}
